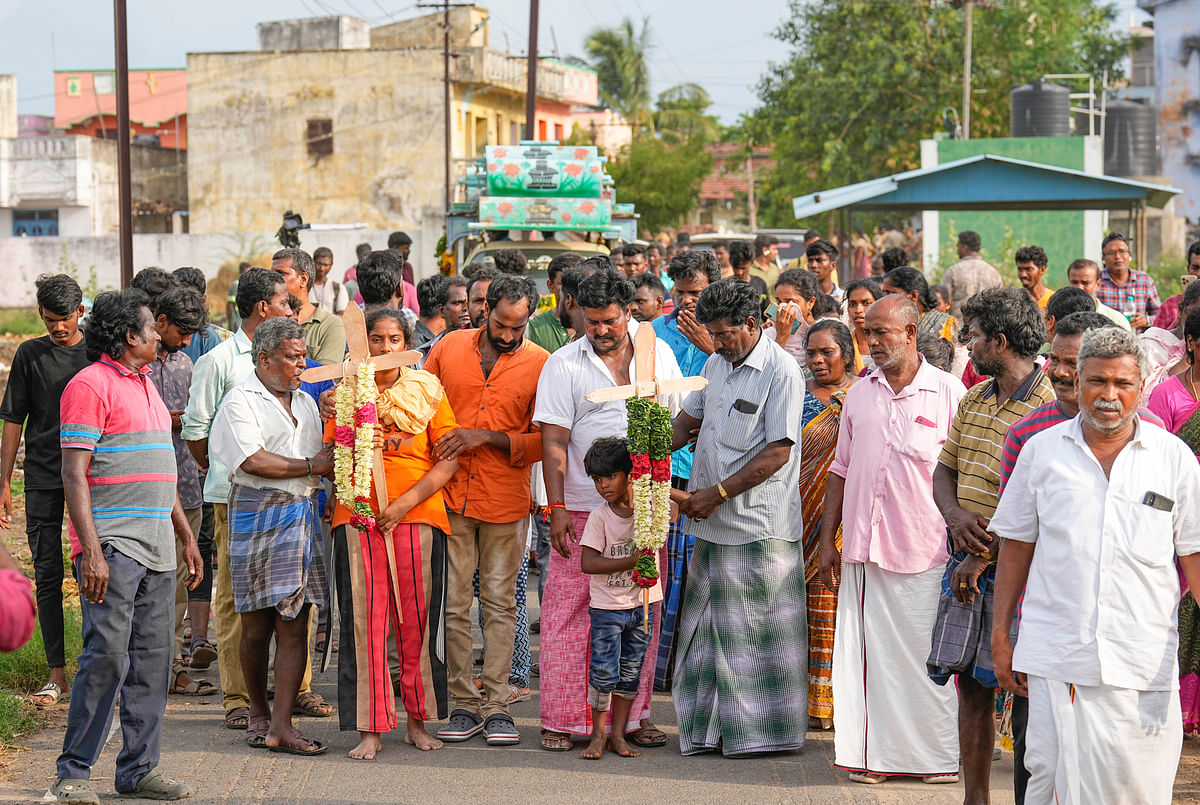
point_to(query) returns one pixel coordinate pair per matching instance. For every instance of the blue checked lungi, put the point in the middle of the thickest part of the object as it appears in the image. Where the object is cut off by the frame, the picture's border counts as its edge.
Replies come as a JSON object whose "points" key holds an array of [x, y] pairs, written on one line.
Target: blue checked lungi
{"points": [[276, 558], [522, 658], [962, 634], [741, 681], [679, 555]]}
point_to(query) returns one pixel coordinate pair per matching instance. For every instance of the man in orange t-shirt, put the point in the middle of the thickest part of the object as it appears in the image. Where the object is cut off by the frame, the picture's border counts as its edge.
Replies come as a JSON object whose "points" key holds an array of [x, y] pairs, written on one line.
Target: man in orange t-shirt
{"points": [[490, 376]]}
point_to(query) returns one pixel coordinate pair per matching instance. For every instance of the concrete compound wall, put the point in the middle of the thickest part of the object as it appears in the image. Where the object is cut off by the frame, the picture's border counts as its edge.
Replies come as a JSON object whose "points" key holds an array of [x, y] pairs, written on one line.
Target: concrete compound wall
{"points": [[95, 261]]}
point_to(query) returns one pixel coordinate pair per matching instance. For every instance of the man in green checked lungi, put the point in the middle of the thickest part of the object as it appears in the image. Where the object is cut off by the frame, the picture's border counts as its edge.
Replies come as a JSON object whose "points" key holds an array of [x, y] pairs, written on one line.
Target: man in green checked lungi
{"points": [[742, 645]]}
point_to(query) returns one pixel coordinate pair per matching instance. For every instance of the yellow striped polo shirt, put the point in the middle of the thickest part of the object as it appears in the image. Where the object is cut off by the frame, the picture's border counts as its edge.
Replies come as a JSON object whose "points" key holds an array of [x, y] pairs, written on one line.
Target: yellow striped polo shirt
{"points": [[975, 442]]}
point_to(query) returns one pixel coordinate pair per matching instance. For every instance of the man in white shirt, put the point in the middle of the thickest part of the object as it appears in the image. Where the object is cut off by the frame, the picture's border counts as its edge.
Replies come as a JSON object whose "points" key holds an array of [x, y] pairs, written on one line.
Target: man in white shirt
{"points": [[1092, 518], [570, 423], [270, 437], [326, 291], [1085, 274]]}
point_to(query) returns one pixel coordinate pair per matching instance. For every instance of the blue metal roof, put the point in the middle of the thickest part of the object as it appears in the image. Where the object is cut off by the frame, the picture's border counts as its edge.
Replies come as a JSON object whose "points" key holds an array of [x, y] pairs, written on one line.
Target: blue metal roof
{"points": [[987, 182]]}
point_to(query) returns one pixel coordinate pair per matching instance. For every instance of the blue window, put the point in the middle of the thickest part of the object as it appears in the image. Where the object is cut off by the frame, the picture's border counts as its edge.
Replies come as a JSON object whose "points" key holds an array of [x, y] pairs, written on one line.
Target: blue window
{"points": [[35, 223]]}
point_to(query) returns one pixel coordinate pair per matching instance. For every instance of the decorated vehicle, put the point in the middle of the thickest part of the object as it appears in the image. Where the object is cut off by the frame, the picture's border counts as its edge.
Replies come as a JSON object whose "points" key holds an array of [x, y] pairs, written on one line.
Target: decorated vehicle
{"points": [[542, 199]]}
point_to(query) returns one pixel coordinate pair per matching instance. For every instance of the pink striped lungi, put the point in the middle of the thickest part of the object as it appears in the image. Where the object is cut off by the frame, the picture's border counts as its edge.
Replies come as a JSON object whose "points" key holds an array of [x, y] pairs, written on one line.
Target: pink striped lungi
{"points": [[564, 647]]}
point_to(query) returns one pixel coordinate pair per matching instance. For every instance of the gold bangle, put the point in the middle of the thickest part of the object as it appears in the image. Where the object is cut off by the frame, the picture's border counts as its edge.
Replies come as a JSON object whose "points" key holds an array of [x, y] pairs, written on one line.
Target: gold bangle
{"points": [[721, 489]]}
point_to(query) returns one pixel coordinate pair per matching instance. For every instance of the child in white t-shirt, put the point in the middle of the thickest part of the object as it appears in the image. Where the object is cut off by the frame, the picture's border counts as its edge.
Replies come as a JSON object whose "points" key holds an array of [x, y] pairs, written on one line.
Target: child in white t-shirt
{"points": [[618, 637]]}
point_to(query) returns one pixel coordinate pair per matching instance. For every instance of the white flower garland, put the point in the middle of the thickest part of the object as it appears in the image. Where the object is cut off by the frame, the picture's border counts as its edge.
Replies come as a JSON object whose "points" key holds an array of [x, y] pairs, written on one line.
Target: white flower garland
{"points": [[354, 443]]}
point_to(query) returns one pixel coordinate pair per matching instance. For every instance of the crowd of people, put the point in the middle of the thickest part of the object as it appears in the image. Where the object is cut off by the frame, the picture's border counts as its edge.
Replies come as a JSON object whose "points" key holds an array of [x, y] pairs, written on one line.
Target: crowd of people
{"points": [[925, 517]]}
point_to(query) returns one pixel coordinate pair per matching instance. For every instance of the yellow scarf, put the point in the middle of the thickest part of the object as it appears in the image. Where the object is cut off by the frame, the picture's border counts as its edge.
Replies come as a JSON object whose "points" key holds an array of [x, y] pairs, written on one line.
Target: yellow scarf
{"points": [[411, 401]]}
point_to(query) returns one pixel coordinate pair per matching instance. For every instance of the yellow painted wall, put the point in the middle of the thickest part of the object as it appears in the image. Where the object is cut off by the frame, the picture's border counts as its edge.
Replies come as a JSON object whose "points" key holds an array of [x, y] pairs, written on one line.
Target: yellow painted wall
{"points": [[248, 156]]}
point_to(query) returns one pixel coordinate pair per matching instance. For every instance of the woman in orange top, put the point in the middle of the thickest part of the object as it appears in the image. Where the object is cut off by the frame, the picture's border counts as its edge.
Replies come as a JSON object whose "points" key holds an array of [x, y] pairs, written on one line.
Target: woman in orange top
{"points": [[412, 414]]}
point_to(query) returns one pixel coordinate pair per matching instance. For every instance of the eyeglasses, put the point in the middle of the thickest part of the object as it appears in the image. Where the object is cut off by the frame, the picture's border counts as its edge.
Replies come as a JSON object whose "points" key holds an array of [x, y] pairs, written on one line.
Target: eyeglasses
{"points": [[1118, 253]]}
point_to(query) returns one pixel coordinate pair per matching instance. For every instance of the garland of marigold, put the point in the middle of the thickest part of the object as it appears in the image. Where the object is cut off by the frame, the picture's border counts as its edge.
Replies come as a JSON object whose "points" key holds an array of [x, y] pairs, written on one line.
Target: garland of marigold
{"points": [[650, 450], [354, 444]]}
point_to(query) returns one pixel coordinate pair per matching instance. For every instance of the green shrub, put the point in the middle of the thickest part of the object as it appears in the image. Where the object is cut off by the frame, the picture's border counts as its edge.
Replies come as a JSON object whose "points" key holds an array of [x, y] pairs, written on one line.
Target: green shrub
{"points": [[21, 321], [24, 671], [16, 718]]}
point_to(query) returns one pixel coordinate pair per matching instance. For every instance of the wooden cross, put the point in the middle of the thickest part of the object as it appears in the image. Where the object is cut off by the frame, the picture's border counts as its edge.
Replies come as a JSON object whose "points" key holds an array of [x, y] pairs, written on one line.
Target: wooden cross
{"points": [[645, 385], [358, 352]]}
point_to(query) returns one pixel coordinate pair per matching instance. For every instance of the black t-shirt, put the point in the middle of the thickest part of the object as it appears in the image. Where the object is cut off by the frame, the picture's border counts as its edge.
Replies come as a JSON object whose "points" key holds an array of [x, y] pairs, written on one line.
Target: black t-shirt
{"points": [[40, 372]]}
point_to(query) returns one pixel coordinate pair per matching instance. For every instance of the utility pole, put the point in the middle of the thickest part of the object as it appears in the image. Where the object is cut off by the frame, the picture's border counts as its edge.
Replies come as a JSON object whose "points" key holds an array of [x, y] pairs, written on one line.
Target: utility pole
{"points": [[750, 193], [966, 97], [445, 6], [446, 102], [531, 73], [124, 185]]}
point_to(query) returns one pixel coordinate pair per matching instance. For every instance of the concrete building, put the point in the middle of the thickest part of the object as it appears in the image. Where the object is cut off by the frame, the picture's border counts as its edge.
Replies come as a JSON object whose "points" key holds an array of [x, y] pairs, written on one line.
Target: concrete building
{"points": [[58, 185], [724, 203], [8, 106], [349, 134], [54, 184], [85, 102], [315, 33], [1176, 78], [606, 129]]}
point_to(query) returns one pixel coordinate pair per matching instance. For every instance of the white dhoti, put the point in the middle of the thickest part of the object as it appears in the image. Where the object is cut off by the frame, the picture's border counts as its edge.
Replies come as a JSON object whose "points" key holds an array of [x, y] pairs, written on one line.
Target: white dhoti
{"points": [[888, 716], [1093, 746]]}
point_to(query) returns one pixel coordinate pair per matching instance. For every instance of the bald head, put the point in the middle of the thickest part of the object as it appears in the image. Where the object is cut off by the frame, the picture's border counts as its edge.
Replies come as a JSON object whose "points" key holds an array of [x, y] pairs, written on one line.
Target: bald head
{"points": [[891, 329], [897, 309]]}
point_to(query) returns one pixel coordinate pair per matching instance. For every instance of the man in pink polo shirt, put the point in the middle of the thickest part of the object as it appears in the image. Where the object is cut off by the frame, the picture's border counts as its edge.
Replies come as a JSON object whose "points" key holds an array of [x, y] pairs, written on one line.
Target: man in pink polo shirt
{"points": [[120, 482], [894, 552]]}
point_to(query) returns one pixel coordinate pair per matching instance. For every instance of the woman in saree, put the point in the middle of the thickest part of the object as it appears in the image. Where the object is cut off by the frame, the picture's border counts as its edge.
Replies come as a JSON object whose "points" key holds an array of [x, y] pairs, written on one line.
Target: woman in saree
{"points": [[375, 596], [1176, 401], [1165, 349], [830, 352], [907, 281], [796, 293], [860, 295]]}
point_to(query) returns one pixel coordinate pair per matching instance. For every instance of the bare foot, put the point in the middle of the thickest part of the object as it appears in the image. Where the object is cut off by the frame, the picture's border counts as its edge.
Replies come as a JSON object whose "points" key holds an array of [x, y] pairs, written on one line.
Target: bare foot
{"points": [[619, 747], [368, 747], [595, 748], [417, 736]]}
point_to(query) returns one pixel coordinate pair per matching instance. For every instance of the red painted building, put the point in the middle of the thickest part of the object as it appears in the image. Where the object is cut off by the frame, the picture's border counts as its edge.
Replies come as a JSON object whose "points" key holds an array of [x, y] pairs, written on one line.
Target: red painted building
{"points": [[85, 103]]}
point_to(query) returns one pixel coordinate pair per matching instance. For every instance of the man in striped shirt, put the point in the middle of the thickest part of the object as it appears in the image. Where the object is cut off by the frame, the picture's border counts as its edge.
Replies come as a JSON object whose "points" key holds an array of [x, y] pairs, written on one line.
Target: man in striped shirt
{"points": [[119, 477], [1006, 329]]}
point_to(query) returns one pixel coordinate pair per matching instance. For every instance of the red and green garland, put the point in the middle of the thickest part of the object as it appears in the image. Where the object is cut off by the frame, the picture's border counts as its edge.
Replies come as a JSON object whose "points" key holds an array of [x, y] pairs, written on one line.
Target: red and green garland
{"points": [[650, 448]]}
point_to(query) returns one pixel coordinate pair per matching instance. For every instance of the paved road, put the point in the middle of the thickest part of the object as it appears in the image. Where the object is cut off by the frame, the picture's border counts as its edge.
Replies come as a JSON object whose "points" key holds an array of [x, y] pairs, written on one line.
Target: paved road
{"points": [[216, 762], [218, 765]]}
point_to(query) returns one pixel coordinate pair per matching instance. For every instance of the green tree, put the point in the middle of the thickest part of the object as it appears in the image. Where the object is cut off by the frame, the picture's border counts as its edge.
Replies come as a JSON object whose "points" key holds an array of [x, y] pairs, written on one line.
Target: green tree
{"points": [[619, 57], [866, 81], [662, 180], [680, 116]]}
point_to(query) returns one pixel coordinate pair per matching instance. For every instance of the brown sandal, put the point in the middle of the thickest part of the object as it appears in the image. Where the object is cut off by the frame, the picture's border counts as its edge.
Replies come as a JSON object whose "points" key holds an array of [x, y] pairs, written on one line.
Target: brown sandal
{"points": [[256, 731], [294, 743], [311, 704], [194, 687], [556, 741], [238, 718], [647, 737]]}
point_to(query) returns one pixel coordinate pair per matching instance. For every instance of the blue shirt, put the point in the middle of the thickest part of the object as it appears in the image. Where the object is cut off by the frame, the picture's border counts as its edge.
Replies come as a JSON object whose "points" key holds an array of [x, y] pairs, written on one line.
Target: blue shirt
{"points": [[202, 342], [315, 390], [691, 360]]}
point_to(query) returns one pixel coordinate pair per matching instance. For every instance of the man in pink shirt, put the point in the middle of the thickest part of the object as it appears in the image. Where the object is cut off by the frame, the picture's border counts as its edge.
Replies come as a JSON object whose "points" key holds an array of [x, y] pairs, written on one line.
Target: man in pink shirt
{"points": [[17, 612], [890, 566]]}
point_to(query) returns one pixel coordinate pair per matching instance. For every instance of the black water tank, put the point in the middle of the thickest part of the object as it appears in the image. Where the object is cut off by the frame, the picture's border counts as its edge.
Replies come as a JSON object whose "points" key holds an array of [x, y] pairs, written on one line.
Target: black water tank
{"points": [[1040, 109], [1130, 139]]}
